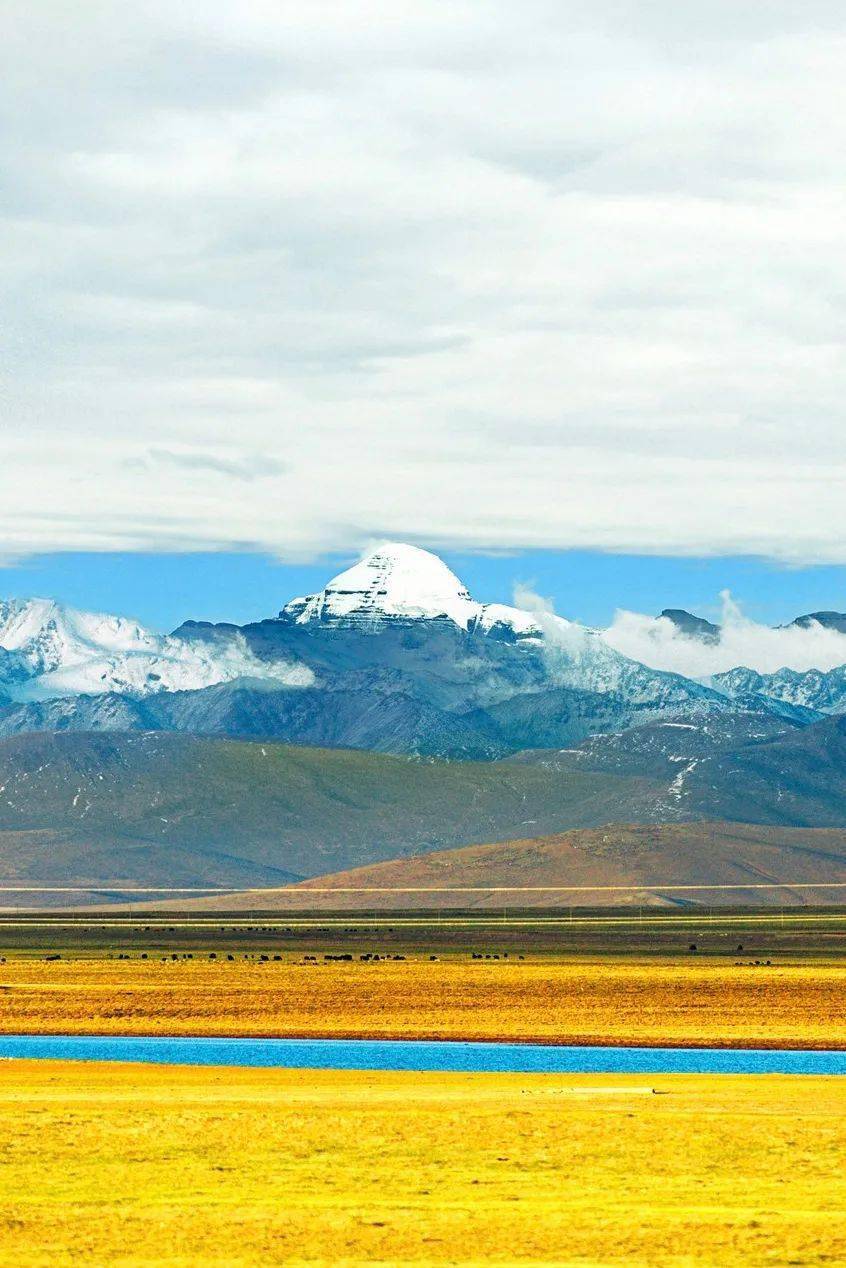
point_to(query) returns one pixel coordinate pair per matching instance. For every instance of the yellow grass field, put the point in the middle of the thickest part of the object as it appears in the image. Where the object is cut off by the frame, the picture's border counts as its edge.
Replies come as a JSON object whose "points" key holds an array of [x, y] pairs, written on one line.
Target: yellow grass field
{"points": [[131, 1165], [661, 1002]]}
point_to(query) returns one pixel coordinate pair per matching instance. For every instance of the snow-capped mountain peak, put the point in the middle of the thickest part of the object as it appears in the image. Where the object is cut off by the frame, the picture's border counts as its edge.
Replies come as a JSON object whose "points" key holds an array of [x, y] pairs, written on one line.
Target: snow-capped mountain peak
{"points": [[393, 582], [393, 647], [398, 584]]}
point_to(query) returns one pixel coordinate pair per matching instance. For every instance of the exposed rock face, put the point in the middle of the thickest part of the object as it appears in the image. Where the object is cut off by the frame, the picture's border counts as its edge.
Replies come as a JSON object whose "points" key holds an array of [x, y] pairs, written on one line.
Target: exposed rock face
{"points": [[693, 626], [828, 620]]}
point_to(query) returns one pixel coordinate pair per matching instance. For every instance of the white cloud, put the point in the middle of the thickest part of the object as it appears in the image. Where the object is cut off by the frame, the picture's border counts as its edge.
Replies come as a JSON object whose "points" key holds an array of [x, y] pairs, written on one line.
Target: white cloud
{"points": [[474, 275], [657, 642]]}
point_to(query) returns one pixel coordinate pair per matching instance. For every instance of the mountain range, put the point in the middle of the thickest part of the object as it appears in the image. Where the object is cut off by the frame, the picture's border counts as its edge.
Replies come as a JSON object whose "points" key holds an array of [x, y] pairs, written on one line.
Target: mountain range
{"points": [[113, 811], [388, 715], [392, 655], [698, 627]]}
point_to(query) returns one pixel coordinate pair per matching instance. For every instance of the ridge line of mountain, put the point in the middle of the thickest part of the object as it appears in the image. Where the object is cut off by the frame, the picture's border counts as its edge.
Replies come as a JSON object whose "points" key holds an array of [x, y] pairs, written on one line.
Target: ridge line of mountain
{"points": [[392, 655]]}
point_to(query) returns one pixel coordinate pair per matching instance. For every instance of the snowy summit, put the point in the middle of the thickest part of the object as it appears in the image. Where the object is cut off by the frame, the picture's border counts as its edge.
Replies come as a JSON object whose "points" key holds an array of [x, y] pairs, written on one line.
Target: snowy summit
{"points": [[395, 581], [398, 582]]}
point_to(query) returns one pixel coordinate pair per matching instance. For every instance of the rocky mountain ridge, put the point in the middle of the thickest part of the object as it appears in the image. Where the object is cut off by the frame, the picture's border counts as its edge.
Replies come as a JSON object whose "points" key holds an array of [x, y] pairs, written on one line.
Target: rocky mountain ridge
{"points": [[393, 655]]}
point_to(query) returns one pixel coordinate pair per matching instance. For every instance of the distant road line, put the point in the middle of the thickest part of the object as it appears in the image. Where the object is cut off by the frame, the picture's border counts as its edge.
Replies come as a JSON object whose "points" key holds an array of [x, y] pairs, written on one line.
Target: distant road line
{"points": [[300, 891], [11, 918]]}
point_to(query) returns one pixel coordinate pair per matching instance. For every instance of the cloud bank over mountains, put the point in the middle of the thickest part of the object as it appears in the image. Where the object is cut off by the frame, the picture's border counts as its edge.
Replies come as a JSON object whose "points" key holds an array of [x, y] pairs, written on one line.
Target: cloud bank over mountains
{"points": [[656, 641], [479, 276]]}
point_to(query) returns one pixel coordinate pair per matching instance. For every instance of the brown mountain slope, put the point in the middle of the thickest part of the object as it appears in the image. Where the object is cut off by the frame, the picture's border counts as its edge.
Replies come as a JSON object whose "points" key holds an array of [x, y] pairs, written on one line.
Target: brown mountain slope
{"points": [[617, 865]]}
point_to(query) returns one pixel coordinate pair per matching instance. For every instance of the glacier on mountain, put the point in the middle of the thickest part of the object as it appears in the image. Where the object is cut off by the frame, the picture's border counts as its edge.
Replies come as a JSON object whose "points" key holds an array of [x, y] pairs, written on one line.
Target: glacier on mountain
{"points": [[49, 651]]}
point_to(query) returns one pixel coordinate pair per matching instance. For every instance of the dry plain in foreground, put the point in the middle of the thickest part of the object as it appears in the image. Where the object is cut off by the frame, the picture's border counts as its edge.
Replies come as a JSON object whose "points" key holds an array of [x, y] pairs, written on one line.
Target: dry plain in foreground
{"points": [[180, 1166]]}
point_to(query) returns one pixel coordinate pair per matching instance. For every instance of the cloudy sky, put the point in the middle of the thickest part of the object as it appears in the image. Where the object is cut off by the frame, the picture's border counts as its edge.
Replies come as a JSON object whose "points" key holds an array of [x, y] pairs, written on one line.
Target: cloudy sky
{"points": [[485, 276]]}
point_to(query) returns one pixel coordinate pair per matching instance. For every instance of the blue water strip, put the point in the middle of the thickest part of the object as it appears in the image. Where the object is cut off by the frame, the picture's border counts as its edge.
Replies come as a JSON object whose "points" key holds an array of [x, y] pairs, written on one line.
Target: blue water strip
{"points": [[432, 1055]]}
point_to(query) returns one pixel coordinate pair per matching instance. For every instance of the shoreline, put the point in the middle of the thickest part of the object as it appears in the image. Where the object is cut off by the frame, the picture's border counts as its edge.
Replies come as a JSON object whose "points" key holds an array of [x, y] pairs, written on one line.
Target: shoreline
{"points": [[541, 1041]]}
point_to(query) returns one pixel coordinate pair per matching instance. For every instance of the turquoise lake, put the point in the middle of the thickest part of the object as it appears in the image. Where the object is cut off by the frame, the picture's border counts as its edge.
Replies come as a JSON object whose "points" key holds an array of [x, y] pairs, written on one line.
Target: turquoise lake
{"points": [[375, 1054]]}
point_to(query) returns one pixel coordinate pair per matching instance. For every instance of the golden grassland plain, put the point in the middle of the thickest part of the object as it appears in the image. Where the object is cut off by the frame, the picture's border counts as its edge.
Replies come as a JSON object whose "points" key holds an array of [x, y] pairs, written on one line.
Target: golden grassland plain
{"points": [[134, 1165], [580, 1001]]}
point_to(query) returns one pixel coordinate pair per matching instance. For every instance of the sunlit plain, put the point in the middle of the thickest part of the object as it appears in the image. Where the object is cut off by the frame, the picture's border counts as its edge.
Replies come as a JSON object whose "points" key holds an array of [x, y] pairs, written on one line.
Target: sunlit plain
{"points": [[137, 1165]]}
